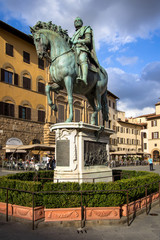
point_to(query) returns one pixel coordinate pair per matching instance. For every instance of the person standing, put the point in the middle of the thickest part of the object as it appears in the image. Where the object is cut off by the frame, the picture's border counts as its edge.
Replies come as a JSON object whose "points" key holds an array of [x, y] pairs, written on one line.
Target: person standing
{"points": [[150, 161]]}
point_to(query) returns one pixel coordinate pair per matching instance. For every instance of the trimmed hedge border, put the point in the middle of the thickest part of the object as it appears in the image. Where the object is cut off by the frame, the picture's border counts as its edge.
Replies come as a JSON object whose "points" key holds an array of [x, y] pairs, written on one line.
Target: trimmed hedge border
{"points": [[73, 199]]}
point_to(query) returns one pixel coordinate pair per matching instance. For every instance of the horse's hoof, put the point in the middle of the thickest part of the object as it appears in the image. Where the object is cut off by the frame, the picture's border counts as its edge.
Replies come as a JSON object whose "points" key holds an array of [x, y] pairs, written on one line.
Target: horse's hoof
{"points": [[68, 120]]}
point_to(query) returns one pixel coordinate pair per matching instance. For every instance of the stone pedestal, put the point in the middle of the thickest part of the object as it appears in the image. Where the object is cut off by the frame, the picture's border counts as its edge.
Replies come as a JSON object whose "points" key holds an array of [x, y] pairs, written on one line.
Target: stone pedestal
{"points": [[82, 152]]}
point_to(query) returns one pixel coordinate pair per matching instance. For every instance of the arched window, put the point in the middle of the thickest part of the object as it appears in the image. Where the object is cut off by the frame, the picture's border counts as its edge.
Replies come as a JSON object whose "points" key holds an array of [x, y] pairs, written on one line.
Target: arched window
{"points": [[25, 110], [41, 87], [156, 156], [26, 80], [7, 109], [41, 113], [8, 74], [77, 111]]}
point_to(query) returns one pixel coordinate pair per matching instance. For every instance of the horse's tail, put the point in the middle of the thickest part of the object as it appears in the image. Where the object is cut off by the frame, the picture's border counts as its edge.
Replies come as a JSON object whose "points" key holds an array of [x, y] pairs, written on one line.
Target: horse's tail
{"points": [[104, 106]]}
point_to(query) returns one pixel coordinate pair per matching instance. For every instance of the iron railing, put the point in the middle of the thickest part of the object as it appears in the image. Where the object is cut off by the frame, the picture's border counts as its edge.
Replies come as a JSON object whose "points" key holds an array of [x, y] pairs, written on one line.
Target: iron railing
{"points": [[82, 192]]}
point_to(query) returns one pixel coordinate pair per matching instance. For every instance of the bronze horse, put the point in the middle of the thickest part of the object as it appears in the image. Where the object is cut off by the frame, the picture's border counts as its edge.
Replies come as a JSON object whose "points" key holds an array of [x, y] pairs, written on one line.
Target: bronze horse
{"points": [[51, 38]]}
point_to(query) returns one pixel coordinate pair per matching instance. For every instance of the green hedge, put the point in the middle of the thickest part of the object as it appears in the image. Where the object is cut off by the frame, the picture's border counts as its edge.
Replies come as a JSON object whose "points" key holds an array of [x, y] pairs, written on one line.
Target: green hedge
{"points": [[21, 198], [62, 200], [99, 199], [94, 198], [31, 175], [129, 174]]}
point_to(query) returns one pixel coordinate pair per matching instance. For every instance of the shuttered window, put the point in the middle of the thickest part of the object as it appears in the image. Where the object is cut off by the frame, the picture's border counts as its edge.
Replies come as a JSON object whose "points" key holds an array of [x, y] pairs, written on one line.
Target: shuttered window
{"points": [[26, 83], [7, 77], [41, 87], [24, 112], [155, 135], [41, 116], [41, 63], [77, 115], [7, 109], [26, 57], [60, 113], [9, 49], [16, 79]]}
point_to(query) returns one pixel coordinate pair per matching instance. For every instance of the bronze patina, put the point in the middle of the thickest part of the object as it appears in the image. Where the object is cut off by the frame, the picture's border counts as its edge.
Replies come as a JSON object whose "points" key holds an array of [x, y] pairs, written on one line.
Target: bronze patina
{"points": [[73, 65]]}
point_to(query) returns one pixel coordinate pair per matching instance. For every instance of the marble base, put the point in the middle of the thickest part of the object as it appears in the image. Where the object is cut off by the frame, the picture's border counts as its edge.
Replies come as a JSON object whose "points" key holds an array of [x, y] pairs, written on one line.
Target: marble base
{"points": [[82, 152]]}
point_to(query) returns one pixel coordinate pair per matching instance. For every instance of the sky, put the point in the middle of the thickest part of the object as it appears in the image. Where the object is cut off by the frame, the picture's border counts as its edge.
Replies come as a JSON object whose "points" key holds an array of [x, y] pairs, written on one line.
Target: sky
{"points": [[127, 39]]}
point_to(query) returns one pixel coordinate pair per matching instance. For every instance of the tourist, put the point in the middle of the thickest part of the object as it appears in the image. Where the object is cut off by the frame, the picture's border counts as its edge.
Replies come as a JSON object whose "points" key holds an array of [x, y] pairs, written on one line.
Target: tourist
{"points": [[150, 161]]}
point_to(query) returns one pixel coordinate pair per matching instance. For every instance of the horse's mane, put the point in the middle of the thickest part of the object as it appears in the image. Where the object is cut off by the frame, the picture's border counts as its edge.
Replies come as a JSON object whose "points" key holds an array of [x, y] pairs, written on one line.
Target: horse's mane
{"points": [[50, 26]]}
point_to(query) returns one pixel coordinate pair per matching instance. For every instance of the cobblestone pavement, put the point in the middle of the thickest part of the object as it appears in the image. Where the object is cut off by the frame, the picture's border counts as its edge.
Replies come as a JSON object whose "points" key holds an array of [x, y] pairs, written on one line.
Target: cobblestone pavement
{"points": [[144, 226], [156, 168]]}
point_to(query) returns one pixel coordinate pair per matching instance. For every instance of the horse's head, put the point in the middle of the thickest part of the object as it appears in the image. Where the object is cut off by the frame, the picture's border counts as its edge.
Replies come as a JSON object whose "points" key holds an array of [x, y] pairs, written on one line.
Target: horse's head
{"points": [[41, 34], [41, 43]]}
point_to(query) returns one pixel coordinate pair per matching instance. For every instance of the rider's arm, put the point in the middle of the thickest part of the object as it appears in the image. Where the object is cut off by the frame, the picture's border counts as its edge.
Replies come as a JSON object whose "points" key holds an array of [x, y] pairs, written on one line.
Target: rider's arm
{"points": [[86, 40]]}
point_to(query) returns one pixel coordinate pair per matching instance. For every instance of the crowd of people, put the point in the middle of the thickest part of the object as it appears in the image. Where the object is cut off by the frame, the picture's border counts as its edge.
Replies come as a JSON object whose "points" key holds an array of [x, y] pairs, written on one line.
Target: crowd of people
{"points": [[30, 163]]}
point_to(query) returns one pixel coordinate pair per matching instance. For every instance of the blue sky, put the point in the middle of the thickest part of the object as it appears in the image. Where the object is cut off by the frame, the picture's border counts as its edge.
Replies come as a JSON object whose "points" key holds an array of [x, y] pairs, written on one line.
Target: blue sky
{"points": [[127, 39]]}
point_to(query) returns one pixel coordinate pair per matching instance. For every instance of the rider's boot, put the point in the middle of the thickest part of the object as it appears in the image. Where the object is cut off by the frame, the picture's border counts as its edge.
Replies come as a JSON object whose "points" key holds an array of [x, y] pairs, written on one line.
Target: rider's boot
{"points": [[84, 68]]}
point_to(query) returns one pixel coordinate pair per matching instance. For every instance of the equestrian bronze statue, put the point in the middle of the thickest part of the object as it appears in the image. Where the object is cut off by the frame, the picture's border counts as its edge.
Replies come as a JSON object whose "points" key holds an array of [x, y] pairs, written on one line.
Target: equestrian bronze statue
{"points": [[73, 65]]}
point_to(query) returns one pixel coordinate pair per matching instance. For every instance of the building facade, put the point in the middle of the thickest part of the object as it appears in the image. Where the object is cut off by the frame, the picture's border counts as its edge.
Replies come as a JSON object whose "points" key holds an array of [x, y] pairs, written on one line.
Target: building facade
{"points": [[150, 133], [25, 116]]}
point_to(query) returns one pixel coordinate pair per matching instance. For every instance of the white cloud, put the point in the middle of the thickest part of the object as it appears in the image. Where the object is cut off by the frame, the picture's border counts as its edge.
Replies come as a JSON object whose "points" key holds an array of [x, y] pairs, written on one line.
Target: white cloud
{"points": [[137, 94], [134, 112], [127, 60], [114, 22]]}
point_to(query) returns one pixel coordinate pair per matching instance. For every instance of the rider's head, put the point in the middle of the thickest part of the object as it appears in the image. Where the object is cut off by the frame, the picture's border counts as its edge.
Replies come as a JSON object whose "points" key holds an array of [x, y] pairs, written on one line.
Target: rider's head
{"points": [[78, 22]]}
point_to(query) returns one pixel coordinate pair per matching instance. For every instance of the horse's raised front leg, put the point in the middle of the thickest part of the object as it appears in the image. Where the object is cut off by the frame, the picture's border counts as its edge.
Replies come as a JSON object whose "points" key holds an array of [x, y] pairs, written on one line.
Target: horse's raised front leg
{"points": [[69, 87]]}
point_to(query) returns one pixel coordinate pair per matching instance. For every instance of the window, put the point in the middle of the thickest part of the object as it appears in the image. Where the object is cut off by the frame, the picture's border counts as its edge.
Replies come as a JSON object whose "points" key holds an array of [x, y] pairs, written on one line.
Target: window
{"points": [[121, 140], [89, 117], [121, 129], [109, 103], [114, 128], [41, 87], [60, 113], [77, 115], [26, 57], [24, 113], [113, 105], [155, 135], [26, 83], [154, 123], [41, 63], [41, 116], [9, 49], [145, 135], [7, 77], [145, 146], [7, 109]]}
